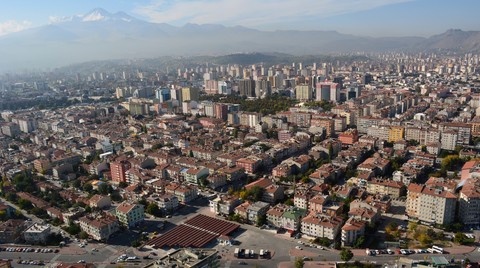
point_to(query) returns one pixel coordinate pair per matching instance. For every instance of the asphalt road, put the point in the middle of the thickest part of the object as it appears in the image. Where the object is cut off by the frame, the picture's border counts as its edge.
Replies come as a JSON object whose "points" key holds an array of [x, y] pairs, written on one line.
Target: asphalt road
{"points": [[281, 246]]}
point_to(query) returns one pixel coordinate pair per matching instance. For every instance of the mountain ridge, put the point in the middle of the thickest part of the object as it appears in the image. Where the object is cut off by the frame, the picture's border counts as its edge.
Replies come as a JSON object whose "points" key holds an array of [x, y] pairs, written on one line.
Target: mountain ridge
{"points": [[100, 35]]}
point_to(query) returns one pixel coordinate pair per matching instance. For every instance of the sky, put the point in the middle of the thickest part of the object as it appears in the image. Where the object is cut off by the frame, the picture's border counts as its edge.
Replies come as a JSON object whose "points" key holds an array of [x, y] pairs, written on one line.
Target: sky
{"points": [[359, 17]]}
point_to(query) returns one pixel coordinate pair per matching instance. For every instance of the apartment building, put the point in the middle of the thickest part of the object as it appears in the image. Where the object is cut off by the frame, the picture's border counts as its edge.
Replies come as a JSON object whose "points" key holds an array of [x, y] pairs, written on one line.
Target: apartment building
{"points": [[430, 204], [318, 225], [99, 228], [352, 230], [392, 188], [469, 202], [130, 214]]}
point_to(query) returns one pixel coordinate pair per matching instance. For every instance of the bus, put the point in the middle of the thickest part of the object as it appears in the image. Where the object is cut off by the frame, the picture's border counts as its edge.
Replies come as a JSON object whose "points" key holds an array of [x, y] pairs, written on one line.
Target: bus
{"points": [[437, 249]]}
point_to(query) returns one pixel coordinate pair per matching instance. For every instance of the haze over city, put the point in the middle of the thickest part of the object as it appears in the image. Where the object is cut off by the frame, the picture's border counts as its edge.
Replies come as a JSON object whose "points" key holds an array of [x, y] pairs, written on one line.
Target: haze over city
{"points": [[56, 33], [360, 17]]}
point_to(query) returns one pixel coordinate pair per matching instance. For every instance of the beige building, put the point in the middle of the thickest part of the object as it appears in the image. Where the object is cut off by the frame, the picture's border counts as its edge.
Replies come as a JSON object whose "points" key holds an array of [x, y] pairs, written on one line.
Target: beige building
{"points": [[99, 228], [317, 225], [469, 203], [352, 230], [392, 188], [100, 201], [303, 92], [430, 204]]}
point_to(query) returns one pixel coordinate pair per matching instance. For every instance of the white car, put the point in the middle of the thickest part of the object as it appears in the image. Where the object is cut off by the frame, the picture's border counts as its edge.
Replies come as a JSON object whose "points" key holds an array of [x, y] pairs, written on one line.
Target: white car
{"points": [[298, 247]]}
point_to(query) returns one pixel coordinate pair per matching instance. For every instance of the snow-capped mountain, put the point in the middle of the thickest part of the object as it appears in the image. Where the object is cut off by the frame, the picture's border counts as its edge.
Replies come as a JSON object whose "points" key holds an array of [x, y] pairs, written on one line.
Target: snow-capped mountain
{"points": [[101, 35]]}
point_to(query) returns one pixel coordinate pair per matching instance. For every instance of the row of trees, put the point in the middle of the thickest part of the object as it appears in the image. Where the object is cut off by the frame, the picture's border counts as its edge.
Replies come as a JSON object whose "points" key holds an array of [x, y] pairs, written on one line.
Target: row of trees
{"points": [[268, 105]]}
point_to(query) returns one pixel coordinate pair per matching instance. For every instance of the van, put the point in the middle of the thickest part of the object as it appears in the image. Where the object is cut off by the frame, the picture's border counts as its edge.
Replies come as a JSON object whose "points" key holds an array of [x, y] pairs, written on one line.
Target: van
{"points": [[236, 252]]}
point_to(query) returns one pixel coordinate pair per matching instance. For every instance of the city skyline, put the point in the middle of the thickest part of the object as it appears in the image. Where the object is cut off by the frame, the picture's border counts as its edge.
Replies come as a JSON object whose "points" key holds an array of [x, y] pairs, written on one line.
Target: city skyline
{"points": [[359, 17]]}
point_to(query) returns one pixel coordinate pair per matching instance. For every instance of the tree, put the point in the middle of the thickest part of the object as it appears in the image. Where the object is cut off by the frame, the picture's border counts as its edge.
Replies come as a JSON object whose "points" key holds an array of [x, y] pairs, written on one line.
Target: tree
{"points": [[346, 254], [105, 188], [76, 184], [123, 184], [424, 239], [360, 242], [83, 235], [88, 187], [3, 215], [460, 238], [136, 243], [261, 220], [153, 209], [73, 229], [24, 204], [299, 262]]}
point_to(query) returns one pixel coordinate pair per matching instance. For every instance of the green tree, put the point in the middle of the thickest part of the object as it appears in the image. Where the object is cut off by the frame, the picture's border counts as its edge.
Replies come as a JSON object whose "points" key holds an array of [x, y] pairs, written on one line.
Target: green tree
{"points": [[424, 239], [25, 204], [460, 238], [299, 262], [73, 229], [88, 187], [346, 254], [136, 243], [261, 220], [3, 215], [83, 235], [105, 188], [153, 209], [360, 242]]}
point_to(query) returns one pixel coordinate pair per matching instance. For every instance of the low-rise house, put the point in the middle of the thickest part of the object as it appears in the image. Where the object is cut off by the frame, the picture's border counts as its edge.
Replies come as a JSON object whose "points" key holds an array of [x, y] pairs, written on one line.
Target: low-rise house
{"points": [[364, 214], [291, 218], [100, 201], [224, 204], [242, 209], [257, 210], [216, 180], [274, 215], [11, 230]]}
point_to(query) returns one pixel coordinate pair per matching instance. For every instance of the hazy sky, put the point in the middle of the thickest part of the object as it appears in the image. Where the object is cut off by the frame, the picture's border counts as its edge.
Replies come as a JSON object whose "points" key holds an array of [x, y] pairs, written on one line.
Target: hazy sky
{"points": [[360, 17]]}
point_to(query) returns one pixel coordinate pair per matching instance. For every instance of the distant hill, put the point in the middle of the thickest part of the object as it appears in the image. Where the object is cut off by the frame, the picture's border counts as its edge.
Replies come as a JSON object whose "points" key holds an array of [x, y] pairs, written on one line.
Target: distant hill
{"points": [[100, 35]]}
